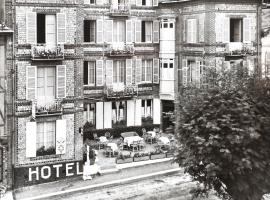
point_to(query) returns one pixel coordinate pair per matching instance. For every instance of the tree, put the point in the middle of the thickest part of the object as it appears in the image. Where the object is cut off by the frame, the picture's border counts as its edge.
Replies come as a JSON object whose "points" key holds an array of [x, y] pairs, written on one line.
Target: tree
{"points": [[225, 137]]}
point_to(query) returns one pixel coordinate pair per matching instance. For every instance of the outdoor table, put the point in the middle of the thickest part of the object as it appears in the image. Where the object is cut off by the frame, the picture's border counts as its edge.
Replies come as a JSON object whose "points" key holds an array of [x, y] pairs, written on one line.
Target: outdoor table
{"points": [[129, 134], [103, 139], [130, 140], [113, 146], [152, 133], [164, 140], [89, 170]]}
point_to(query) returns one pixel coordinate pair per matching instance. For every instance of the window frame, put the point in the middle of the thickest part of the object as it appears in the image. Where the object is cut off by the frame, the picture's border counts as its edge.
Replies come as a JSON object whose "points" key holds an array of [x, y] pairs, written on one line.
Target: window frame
{"points": [[144, 32], [120, 66], [86, 64], [92, 32], [145, 73]]}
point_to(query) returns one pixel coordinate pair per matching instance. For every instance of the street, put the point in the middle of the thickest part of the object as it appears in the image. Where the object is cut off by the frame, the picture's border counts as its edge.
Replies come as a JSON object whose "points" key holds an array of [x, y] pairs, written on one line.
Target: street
{"points": [[170, 187]]}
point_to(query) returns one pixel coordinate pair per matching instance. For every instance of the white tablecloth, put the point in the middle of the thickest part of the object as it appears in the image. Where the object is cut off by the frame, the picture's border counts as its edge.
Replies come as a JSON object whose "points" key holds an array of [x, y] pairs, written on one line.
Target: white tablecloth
{"points": [[164, 140], [130, 140], [89, 170], [103, 139], [152, 133], [113, 146]]}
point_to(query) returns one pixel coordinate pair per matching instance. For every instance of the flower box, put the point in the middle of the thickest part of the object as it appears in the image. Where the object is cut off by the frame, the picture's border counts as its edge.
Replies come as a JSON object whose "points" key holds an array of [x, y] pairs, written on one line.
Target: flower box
{"points": [[142, 158], [121, 161], [157, 156]]}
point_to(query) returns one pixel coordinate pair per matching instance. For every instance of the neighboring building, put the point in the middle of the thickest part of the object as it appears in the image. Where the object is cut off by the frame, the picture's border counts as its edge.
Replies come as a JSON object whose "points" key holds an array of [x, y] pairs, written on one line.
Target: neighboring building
{"points": [[121, 66], [266, 39], [48, 101], [6, 91]]}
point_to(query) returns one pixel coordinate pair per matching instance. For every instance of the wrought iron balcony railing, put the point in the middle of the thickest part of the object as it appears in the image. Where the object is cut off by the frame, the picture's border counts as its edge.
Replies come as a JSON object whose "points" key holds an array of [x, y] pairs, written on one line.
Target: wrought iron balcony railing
{"points": [[47, 52], [121, 49], [120, 9], [121, 91], [239, 48], [48, 108]]}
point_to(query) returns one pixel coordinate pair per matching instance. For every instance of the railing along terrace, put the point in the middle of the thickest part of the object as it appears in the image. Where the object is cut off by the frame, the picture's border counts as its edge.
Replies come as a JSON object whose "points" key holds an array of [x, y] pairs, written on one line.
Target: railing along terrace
{"points": [[47, 51], [121, 49], [239, 48], [120, 9], [52, 107], [118, 91]]}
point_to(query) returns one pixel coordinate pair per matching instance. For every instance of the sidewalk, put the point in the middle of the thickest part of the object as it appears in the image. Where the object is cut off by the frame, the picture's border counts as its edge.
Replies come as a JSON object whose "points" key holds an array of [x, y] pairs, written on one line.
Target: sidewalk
{"points": [[126, 173]]}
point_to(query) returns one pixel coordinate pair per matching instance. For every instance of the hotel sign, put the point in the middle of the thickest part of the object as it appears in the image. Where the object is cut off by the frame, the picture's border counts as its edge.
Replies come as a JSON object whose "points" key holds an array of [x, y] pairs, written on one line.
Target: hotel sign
{"points": [[26, 176]]}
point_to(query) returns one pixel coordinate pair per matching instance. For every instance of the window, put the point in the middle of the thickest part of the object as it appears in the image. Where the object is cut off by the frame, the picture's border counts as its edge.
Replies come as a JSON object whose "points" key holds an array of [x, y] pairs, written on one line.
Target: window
{"points": [[147, 108], [89, 31], [236, 27], [191, 73], [89, 1], [167, 69], [191, 30], [89, 113], [119, 31], [45, 138], [45, 85], [146, 31], [119, 71], [118, 112], [46, 29], [147, 70], [89, 74]]}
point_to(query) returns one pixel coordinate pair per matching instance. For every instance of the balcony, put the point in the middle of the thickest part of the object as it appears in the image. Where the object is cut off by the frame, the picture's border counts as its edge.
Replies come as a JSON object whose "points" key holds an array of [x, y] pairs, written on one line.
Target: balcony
{"points": [[239, 49], [48, 108], [47, 52], [120, 49], [120, 10], [121, 91]]}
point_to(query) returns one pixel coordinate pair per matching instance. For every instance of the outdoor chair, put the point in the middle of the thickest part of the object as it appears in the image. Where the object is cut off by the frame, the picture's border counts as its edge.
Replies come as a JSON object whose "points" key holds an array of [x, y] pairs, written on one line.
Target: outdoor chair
{"points": [[134, 146], [142, 145], [108, 152], [108, 135]]}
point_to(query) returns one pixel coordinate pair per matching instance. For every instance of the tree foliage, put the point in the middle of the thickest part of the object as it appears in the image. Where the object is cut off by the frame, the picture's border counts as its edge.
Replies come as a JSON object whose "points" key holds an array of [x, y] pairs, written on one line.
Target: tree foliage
{"points": [[225, 137]]}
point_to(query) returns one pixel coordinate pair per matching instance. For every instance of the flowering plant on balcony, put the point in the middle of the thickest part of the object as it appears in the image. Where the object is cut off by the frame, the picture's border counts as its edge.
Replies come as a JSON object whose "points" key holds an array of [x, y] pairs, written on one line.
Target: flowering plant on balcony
{"points": [[44, 51], [51, 107], [127, 49], [42, 151]]}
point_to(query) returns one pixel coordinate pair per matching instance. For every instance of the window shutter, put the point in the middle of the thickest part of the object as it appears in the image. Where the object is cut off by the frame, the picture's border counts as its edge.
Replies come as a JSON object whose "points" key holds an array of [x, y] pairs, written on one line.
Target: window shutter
{"points": [[31, 27], [129, 72], [99, 2], [138, 2], [138, 75], [189, 31], [198, 73], [31, 85], [156, 111], [184, 72], [86, 1], [156, 70], [31, 131], [100, 31], [108, 114], [251, 67], [219, 29], [138, 111], [61, 81], [129, 31], [155, 2], [138, 31], [99, 66], [61, 28], [109, 31], [61, 138], [201, 29], [194, 30], [156, 31], [247, 30], [226, 30], [99, 115], [109, 72], [130, 113]]}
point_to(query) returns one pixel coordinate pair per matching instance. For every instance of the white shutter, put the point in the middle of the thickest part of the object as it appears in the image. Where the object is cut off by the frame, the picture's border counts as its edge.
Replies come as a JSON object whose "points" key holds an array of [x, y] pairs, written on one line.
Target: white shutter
{"points": [[247, 30], [31, 27], [109, 31], [138, 31], [99, 2], [138, 2], [31, 134], [107, 114], [138, 110], [129, 72], [198, 73], [194, 29], [109, 72], [99, 115], [129, 31], [99, 66], [100, 31], [156, 31], [200, 29], [226, 30], [156, 111], [138, 68], [251, 66], [61, 28], [130, 113], [184, 72], [155, 2], [219, 29], [61, 81], [31, 84], [189, 31], [86, 1], [155, 70], [61, 138], [185, 30]]}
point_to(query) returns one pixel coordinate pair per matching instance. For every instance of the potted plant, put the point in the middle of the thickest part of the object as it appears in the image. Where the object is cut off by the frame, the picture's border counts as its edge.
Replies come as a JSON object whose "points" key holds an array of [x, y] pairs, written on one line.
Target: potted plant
{"points": [[121, 158], [141, 157], [158, 154]]}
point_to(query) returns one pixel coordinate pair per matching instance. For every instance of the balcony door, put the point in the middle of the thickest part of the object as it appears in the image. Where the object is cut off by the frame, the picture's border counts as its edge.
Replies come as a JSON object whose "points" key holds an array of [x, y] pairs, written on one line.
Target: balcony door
{"points": [[45, 85]]}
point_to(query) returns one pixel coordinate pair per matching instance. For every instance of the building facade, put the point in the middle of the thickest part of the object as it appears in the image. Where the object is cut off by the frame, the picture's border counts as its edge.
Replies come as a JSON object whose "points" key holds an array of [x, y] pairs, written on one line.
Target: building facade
{"points": [[266, 39]]}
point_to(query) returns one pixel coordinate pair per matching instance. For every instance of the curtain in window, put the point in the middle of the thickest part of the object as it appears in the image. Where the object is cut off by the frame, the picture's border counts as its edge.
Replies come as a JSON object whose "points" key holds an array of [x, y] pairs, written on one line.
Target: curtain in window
{"points": [[119, 31], [149, 65], [45, 135], [91, 71]]}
